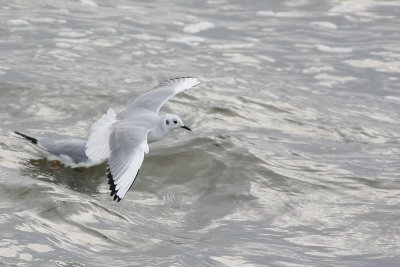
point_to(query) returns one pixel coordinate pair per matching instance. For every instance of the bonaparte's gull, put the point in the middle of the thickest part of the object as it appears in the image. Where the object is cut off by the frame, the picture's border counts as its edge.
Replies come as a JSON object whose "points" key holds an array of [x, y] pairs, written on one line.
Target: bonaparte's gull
{"points": [[67, 150], [123, 138]]}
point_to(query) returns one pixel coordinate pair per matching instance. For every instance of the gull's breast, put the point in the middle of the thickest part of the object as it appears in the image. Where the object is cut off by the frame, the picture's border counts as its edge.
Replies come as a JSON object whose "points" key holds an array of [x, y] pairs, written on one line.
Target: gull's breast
{"points": [[155, 134]]}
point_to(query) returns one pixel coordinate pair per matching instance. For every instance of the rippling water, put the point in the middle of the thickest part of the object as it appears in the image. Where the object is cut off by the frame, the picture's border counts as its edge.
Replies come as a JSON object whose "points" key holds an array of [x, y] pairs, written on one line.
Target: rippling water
{"points": [[294, 157]]}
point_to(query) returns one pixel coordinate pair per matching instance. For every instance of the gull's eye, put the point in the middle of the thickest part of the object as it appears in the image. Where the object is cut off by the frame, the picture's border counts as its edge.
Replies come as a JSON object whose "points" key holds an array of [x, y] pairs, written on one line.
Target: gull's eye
{"points": [[167, 122], [175, 122]]}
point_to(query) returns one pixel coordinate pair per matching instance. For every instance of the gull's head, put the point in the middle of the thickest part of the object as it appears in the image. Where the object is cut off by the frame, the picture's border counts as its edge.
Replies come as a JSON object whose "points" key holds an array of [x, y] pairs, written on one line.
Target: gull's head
{"points": [[172, 122]]}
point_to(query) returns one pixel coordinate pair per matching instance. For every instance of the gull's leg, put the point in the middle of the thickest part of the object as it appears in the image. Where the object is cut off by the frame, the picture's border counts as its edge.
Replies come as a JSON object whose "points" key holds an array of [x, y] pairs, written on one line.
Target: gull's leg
{"points": [[55, 164]]}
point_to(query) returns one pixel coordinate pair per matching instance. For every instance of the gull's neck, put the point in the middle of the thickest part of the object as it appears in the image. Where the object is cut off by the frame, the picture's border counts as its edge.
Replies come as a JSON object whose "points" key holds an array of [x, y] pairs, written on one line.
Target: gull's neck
{"points": [[159, 131]]}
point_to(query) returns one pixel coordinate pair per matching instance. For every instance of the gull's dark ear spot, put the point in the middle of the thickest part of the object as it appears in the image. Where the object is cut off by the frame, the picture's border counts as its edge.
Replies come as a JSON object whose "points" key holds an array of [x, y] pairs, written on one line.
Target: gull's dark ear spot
{"points": [[167, 122]]}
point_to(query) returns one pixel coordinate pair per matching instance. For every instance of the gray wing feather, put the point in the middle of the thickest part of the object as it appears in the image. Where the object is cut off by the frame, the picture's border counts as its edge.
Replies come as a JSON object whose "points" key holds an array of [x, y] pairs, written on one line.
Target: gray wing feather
{"points": [[69, 151], [73, 148], [156, 98]]}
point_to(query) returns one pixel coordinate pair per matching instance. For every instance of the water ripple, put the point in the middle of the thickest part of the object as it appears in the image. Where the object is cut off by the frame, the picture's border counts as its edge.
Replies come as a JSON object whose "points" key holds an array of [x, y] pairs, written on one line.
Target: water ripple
{"points": [[293, 158]]}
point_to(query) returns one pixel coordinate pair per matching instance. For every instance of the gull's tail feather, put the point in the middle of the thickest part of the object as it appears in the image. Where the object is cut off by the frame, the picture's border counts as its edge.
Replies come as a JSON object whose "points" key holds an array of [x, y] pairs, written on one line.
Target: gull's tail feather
{"points": [[31, 139], [97, 146]]}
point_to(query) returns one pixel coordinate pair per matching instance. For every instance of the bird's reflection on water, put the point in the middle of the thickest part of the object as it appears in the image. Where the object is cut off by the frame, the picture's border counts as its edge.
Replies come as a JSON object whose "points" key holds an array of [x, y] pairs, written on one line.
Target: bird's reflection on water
{"points": [[83, 180]]}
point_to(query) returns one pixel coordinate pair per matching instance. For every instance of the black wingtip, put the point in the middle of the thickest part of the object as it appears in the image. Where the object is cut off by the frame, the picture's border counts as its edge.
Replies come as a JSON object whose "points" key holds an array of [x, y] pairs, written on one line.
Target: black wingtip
{"points": [[178, 79], [31, 139], [113, 186]]}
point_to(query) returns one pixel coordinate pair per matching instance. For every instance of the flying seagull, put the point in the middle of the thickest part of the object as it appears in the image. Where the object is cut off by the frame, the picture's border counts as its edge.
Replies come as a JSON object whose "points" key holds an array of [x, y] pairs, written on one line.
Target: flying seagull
{"points": [[67, 150], [123, 138]]}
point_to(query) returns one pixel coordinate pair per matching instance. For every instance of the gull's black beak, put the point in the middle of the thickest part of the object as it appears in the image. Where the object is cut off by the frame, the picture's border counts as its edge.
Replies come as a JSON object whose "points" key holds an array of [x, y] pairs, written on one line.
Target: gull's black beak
{"points": [[186, 128]]}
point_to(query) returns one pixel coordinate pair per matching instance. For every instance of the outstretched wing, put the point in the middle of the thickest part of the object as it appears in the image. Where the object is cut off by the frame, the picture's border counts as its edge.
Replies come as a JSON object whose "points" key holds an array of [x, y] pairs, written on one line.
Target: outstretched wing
{"points": [[156, 98], [128, 145]]}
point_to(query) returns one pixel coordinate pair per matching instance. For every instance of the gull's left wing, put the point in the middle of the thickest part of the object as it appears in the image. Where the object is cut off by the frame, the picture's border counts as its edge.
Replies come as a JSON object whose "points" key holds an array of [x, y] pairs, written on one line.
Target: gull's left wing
{"points": [[128, 144]]}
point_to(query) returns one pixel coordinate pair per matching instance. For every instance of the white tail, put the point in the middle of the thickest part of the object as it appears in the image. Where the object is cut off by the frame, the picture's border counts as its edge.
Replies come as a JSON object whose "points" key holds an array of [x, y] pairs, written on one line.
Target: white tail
{"points": [[97, 146]]}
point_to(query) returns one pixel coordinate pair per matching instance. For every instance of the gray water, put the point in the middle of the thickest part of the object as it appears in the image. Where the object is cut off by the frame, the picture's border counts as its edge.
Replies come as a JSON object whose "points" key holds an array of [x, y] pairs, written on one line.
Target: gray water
{"points": [[294, 155]]}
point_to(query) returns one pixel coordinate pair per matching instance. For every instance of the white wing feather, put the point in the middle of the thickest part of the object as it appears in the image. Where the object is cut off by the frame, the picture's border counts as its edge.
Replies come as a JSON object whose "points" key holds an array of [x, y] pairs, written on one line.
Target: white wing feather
{"points": [[128, 145], [97, 146]]}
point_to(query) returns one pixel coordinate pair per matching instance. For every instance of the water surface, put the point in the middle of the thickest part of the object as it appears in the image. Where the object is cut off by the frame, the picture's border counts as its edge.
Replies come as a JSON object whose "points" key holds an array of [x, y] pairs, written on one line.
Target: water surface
{"points": [[294, 157]]}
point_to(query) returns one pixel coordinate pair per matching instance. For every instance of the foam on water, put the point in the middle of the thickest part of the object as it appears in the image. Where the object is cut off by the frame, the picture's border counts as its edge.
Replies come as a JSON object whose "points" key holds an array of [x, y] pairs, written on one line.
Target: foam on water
{"points": [[198, 27], [17, 22], [379, 65], [323, 25]]}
